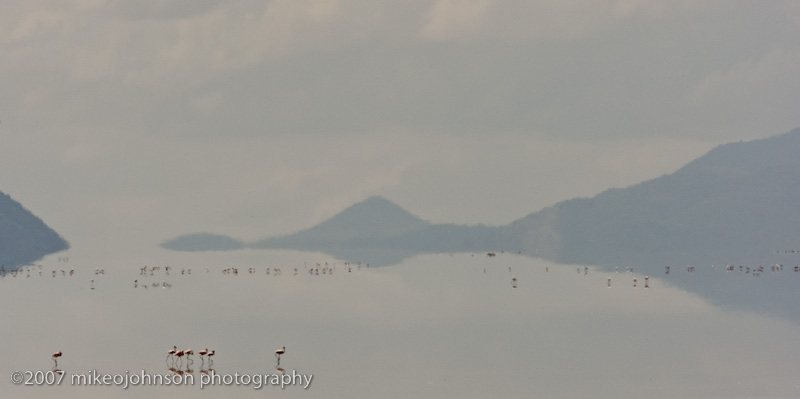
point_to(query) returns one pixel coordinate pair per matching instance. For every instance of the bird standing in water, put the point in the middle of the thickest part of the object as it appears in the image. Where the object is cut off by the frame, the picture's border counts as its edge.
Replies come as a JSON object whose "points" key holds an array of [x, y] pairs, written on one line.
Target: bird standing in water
{"points": [[210, 362], [280, 352], [171, 353]]}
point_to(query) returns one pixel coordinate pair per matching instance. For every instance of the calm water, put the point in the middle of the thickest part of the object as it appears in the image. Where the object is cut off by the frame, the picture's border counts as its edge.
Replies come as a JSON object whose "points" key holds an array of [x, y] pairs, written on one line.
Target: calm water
{"points": [[439, 326]]}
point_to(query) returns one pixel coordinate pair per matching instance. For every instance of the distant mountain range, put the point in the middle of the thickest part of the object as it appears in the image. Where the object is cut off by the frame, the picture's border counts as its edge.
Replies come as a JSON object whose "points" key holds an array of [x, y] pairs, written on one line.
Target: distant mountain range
{"points": [[739, 203], [24, 238], [378, 224], [374, 230]]}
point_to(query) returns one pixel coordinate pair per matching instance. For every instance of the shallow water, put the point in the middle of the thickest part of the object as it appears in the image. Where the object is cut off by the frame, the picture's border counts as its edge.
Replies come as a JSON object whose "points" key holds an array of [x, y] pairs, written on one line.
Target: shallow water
{"points": [[431, 327]]}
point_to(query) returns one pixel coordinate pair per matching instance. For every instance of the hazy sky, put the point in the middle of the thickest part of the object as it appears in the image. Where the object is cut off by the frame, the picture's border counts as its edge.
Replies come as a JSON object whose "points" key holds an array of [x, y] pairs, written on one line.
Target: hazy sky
{"points": [[149, 119]]}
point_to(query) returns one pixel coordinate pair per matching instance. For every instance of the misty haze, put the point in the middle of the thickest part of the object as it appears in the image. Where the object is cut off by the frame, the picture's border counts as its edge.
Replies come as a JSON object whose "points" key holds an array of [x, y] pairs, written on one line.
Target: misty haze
{"points": [[434, 199]]}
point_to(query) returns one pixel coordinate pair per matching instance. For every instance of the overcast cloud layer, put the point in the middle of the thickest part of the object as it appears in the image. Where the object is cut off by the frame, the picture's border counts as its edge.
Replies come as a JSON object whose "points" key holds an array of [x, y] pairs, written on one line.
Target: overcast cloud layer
{"points": [[254, 118]]}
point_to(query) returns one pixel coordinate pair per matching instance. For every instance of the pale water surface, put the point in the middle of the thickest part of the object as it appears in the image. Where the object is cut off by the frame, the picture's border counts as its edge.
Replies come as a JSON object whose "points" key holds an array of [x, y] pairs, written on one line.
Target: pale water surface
{"points": [[438, 326]]}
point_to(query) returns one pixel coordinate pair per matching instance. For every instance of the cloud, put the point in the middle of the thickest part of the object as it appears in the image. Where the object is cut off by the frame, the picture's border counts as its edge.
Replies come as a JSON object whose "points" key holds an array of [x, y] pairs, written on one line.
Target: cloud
{"points": [[525, 20], [150, 42], [752, 78], [549, 69], [158, 10], [449, 19], [744, 87]]}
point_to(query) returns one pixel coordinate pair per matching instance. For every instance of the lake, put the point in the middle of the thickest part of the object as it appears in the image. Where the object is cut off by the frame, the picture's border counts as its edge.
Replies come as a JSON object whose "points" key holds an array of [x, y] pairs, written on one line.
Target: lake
{"points": [[436, 326]]}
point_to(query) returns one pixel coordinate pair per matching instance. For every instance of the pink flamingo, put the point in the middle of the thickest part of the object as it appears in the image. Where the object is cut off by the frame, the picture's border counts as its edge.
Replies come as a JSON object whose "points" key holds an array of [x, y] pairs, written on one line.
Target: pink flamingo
{"points": [[189, 352], [210, 362], [180, 354], [171, 353], [279, 352]]}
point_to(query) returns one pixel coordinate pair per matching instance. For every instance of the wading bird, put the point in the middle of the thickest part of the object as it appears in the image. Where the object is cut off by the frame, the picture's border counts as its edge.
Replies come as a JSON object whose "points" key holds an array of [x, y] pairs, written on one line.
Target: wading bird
{"points": [[56, 356], [279, 352], [189, 352], [171, 353], [179, 354], [210, 362]]}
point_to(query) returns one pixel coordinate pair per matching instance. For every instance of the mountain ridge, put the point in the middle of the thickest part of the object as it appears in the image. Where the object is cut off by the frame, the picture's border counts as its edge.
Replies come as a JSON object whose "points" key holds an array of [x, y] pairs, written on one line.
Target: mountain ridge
{"points": [[24, 237], [734, 203], [724, 206], [372, 218]]}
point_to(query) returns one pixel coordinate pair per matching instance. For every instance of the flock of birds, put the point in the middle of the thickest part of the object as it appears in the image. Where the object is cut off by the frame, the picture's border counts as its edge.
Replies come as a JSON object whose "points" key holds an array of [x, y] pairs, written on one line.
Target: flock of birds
{"points": [[175, 357], [38, 269], [746, 270], [163, 273]]}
